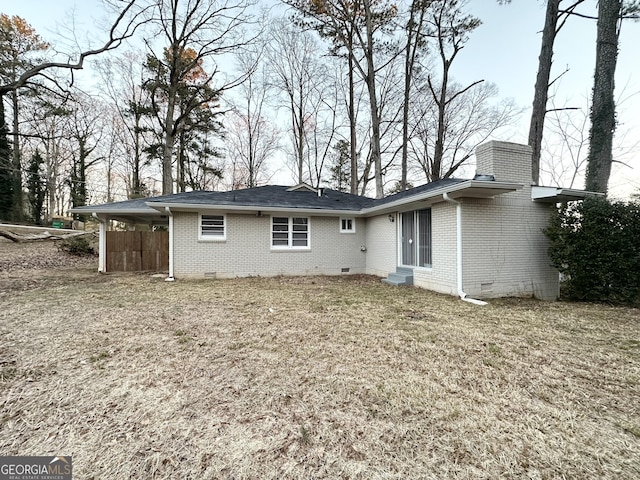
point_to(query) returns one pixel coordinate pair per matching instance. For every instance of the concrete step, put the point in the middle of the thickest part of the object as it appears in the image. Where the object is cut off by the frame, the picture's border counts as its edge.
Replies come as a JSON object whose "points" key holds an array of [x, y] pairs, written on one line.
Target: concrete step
{"points": [[406, 270], [402, 276]]}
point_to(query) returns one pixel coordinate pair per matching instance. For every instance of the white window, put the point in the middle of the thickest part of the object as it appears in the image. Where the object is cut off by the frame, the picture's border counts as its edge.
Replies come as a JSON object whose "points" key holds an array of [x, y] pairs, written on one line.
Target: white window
{"points": [[212, 228], [347, 225], [289, 232]]}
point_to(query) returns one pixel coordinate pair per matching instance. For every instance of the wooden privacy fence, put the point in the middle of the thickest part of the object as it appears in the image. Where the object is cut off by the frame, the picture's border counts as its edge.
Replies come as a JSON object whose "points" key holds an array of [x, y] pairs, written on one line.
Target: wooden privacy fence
{"points": [[137, 251]]}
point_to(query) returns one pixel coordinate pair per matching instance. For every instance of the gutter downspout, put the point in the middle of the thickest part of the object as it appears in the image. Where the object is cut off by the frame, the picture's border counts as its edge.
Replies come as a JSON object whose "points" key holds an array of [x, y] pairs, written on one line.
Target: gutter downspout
{"points": [[170, 277], [463, 296], [102, 242]]}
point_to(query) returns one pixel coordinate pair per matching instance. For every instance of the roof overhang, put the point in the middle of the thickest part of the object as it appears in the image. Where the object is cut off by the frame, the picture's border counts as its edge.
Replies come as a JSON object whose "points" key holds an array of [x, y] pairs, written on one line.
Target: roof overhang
{"points": [[156, 212], [467, 189], [248, 209], [132, 215], [558, 194]]}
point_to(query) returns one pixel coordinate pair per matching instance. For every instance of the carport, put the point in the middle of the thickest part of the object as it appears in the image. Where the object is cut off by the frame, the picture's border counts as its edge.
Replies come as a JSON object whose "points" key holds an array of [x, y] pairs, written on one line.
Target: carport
{"points": [[130, 250]]}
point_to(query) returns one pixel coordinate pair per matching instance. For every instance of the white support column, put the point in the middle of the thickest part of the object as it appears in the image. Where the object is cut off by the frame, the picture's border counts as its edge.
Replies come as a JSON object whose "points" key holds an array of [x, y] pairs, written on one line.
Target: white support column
{"points": [[170, 277], [102, 242]]}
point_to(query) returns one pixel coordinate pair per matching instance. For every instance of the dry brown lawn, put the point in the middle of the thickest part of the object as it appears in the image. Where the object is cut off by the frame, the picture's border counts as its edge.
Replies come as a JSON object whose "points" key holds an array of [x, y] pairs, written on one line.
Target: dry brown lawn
{"points": [[302, 378]]}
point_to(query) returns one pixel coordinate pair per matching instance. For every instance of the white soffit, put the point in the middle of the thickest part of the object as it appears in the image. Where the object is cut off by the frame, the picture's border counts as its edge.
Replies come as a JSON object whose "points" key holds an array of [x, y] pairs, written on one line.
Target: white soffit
{"points": [[558, 194]]}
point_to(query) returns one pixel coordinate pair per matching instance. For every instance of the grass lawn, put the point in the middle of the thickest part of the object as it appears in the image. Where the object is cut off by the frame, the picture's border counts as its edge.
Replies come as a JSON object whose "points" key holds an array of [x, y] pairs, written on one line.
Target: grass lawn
{"points": [[317, 377]]}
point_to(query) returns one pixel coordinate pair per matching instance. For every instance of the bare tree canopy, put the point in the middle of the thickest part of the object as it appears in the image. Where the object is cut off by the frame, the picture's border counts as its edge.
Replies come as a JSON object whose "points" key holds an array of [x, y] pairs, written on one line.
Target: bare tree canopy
{"points": [[128, 20], [194, 33]]}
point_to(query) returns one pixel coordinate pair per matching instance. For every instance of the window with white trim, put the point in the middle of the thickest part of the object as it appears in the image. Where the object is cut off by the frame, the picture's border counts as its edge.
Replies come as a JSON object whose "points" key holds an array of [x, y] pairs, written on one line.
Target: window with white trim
{"points": [[289, 232], [212, 228], [347, 225]]}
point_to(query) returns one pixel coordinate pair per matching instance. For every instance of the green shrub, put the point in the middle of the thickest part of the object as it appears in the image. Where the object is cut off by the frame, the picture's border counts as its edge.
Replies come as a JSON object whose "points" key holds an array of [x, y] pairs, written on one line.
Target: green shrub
{"points": [[595, 244], [77, 246]]}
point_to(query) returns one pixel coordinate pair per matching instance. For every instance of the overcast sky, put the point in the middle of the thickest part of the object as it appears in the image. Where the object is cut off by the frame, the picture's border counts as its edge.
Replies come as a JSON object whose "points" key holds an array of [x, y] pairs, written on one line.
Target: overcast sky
{"points": [[503, 50]]}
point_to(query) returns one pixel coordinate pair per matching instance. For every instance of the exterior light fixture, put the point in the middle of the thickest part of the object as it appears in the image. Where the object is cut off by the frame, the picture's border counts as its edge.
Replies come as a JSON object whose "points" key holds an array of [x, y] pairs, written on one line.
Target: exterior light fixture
{"points": [[392, 218]]}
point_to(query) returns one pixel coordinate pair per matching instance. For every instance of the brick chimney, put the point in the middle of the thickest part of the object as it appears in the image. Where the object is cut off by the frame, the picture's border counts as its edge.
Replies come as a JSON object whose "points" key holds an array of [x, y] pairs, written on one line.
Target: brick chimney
{"points": [[507, 162]]}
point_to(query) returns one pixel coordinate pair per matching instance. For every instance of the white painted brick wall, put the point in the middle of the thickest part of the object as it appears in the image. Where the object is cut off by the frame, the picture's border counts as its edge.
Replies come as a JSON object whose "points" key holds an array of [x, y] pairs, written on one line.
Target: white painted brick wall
{"points": [[247, 249], [504, 249], [381, 245], [442, 276], [508, 162]]}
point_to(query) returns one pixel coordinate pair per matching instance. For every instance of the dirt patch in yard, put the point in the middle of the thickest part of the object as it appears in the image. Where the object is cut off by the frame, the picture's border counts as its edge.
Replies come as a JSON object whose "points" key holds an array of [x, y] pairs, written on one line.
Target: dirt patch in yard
{"points": [[25, 266], [315, 377]]}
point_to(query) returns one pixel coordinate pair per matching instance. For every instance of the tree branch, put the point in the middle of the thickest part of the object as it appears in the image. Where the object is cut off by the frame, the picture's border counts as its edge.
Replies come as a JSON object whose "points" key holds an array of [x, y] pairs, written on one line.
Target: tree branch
{"points": [[114, 41]]}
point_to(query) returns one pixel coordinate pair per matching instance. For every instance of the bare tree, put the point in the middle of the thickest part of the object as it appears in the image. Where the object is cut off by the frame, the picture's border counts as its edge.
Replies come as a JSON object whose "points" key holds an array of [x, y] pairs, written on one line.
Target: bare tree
{"points": [[357, 27], [250, 137], [196, 32], [309, 94], [566, 142], [128, 20], [321, 130], [45, 117], [450, 27], [470, 119], [292, 57], [251, 141], [415, 41], [86, 130], [122, 77], [564, 157]]}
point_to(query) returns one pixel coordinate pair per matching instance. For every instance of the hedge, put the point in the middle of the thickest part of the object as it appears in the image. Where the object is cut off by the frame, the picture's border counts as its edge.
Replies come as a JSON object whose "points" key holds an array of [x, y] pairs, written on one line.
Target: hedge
{"points": [[595, 244]]}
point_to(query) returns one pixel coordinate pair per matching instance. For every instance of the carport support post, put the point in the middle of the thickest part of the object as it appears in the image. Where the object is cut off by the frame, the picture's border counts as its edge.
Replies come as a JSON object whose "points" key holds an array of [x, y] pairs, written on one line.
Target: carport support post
{"points": [[170, 277], [102, 242]]}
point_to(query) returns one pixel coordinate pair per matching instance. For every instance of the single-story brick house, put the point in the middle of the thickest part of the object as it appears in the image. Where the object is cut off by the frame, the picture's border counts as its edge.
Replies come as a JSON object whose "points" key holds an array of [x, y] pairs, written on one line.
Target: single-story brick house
{"points": [[480, 237]]}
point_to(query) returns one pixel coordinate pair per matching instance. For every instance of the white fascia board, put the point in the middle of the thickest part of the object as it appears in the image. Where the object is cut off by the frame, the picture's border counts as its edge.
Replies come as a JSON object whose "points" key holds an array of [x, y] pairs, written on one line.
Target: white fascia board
{"points": [[490, 186], [115, 211], [558, 194], [198, 207]]}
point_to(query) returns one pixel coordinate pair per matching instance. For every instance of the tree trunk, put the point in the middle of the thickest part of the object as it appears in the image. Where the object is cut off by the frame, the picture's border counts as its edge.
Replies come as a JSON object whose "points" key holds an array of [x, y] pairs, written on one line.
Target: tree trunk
{"points": [[603, 108], [373, 103], [6, 178], [169, 142], [251, 160], [438, 152], [17, 207], [408, 70], [136, 184], [301, 136], [541, 89], [413, 42], [353, 134]]}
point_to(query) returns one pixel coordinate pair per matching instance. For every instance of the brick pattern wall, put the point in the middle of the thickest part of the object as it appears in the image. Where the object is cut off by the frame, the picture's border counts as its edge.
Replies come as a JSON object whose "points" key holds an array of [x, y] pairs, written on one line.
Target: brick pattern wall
{"points": [[247, 249], [508, 162], [381, 245], [442, 276], [504, 250]]}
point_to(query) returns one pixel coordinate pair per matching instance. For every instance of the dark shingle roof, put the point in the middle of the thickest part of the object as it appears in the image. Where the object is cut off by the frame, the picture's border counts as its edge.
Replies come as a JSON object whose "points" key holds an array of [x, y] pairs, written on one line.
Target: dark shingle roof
{"points": [[273, 196], [422, 189], [276, 196], [136, 204]]}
